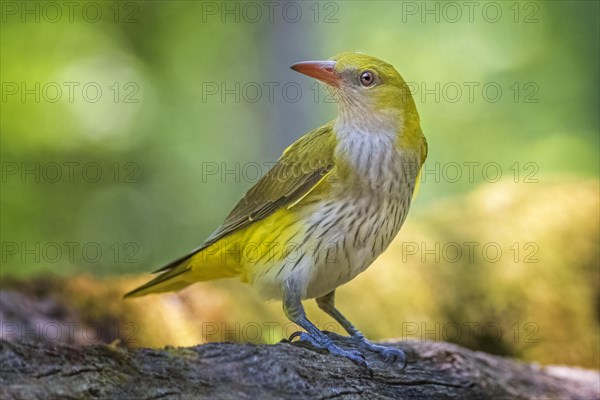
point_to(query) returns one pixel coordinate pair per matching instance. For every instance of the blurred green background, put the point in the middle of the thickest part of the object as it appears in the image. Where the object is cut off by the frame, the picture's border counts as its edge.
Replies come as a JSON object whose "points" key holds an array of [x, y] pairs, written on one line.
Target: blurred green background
{"points": [[129, 130]]}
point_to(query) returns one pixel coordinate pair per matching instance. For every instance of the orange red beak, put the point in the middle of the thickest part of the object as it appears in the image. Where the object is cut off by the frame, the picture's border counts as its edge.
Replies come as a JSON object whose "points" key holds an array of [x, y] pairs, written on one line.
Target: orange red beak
{"points": [[321, 70]]}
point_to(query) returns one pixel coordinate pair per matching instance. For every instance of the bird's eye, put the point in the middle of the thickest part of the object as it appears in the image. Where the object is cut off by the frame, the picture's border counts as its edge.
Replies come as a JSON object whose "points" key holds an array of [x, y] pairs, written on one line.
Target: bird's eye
{"points": [[367, 78]]}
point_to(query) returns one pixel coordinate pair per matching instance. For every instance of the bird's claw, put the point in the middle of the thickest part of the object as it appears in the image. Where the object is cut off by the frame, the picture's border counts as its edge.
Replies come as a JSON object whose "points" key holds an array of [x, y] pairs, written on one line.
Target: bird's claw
{"points": [[302, 337], [389, 354], [353, 355]]}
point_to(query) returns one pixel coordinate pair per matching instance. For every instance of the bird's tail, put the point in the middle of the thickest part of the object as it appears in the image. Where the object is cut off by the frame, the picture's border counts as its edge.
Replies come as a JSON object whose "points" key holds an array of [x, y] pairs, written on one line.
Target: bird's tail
{"points": [[199, 265]]}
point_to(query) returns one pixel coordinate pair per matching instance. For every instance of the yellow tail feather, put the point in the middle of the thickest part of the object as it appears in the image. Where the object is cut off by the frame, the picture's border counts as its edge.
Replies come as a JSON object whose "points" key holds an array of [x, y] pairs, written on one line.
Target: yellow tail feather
{"points": [[203, 265]]}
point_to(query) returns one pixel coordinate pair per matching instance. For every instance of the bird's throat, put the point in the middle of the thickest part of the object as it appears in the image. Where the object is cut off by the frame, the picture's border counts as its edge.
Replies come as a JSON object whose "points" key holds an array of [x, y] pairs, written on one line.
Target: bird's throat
{"points": [[372, 160]]}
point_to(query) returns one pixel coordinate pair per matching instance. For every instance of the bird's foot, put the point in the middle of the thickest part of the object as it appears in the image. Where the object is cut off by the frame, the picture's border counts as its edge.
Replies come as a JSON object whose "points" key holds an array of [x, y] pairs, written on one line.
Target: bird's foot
{"points": [[327, 344], [389, 354]]}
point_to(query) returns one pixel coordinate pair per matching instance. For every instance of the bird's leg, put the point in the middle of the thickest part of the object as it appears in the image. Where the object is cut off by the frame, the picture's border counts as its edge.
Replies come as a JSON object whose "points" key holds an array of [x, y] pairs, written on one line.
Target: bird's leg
{"points": [[292, 306], [327, 304]]}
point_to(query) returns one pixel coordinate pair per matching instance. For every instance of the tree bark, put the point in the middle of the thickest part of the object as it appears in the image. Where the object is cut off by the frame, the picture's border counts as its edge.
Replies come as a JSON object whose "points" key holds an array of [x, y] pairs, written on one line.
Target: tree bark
{"points": [[435, 370]]}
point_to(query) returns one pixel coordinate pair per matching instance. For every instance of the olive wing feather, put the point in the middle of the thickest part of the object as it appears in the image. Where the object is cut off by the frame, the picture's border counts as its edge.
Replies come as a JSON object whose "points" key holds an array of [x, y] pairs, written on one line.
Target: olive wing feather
{"points": [[298, 171]]}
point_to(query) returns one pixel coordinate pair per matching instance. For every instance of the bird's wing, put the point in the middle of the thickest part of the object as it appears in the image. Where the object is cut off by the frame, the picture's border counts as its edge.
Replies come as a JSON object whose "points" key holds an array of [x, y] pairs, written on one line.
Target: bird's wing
{"points": [[298, 171]]}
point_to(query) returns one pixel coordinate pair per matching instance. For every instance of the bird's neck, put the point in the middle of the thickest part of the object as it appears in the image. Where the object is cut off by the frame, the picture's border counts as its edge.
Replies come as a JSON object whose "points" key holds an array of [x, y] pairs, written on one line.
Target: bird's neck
{"points": [[369, 154]]}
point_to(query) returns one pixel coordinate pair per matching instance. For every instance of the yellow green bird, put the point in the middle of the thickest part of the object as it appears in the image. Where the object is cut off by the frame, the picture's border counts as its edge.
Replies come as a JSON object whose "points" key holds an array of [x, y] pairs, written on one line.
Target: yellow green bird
{"points": [[331, 205]]}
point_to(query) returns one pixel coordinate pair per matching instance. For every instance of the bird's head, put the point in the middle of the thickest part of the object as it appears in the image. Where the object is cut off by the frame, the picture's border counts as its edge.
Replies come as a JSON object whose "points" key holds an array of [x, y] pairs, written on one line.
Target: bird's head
{"points": [[371, 94]]}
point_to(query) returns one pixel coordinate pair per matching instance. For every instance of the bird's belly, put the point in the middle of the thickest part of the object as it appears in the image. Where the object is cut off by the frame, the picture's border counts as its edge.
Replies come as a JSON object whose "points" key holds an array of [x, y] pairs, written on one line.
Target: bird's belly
{"points": [[365, 228], [340, 239]]}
